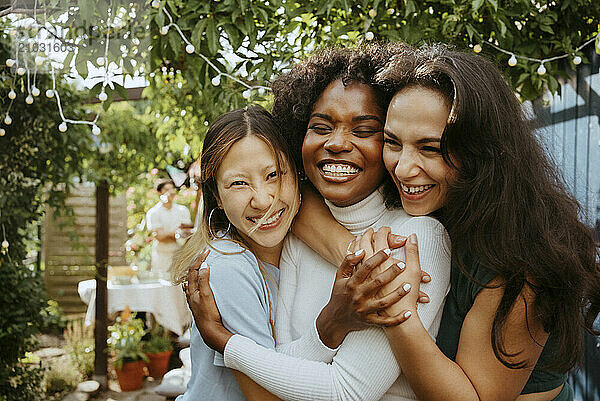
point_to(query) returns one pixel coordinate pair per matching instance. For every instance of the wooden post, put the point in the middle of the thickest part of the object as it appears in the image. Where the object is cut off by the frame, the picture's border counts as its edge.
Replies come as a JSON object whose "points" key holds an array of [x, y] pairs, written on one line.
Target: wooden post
{"points": [[100, 327]]}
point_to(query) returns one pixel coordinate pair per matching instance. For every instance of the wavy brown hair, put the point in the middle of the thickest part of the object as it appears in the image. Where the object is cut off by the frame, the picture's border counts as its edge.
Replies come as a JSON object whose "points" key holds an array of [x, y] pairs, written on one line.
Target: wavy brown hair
{"points": [[508, 210]]}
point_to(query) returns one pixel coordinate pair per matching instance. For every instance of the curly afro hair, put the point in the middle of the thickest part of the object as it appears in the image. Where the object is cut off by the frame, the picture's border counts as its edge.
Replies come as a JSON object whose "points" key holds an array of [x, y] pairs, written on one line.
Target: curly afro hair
{"points": [[298, 90]]}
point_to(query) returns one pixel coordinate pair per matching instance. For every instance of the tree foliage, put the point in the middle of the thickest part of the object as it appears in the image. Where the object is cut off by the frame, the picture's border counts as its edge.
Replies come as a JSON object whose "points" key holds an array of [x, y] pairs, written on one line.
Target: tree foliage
{"points": [[33, 156]]}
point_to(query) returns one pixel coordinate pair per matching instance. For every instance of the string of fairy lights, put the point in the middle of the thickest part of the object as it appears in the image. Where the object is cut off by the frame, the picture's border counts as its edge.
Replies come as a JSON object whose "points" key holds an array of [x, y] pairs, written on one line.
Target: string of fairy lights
{"points": [[33, 91]]}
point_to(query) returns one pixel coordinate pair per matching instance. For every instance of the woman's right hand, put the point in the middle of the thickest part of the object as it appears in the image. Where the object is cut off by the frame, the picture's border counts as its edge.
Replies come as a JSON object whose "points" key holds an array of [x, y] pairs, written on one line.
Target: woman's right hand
{"points": [[202, 303], [353, 305], [356, 301]]}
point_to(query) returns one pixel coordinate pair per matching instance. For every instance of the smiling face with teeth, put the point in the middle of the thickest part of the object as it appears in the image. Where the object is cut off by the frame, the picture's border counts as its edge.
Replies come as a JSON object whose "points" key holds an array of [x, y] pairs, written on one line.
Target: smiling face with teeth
{"points": [[248, 186], [343, 143], [416, 119]]}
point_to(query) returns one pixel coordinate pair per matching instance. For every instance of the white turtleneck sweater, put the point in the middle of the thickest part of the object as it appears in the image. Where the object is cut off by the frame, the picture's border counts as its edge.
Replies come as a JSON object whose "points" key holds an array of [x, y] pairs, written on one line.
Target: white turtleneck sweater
{"points": [[364, 366]]}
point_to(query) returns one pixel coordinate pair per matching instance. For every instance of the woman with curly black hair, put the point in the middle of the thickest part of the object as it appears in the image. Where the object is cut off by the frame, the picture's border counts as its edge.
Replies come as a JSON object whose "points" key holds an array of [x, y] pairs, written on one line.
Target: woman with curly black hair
{"points": [[334, 117]]}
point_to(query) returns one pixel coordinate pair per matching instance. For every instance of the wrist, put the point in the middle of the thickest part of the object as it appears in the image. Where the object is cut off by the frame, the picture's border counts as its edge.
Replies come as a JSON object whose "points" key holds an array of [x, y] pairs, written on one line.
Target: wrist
{"points": [[331, 333], [216, 337]]}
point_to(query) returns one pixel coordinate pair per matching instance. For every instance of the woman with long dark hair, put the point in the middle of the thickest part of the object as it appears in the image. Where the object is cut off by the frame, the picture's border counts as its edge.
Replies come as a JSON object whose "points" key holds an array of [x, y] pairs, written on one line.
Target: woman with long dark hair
{"points": [[525, 275]]}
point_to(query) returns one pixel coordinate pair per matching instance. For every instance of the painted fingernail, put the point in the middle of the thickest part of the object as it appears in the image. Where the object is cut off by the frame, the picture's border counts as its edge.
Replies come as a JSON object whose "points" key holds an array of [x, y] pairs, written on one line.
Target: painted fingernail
{"points": [[399, 239], [426, 278], [423, 299], [406, 287], [359, 252], [413, 239], [204, 265], [401, 265], [387, 251], [407, 314]]}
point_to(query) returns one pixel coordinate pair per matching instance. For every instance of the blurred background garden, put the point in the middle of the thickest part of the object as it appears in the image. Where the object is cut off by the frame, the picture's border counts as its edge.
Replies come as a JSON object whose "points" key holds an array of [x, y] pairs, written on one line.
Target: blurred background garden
{"points": [[100, 100]]}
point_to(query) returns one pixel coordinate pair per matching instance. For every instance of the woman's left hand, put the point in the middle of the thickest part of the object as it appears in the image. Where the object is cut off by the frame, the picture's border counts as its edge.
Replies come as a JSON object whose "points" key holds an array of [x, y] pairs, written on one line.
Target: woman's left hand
{"points": [[202, 303]]}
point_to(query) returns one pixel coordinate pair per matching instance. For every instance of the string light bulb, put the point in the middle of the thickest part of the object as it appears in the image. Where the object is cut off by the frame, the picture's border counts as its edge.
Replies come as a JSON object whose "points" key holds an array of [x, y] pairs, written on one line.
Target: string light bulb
{"points": [[49, 93], [100, 61], [102, 96], [29, 99], [5, 244], [12, 94], [216, 81], [155, 3], [7, 120], [190, 48], [39, 60], [164, 30], [372, 13], [35, 91], [95, 130], [246, 94], [390, 11], [512, 61], [576, 60], [369, 35], [541, 69], [62, 127], [21, 71], [10, 62], [477, 48], [2, 132]]}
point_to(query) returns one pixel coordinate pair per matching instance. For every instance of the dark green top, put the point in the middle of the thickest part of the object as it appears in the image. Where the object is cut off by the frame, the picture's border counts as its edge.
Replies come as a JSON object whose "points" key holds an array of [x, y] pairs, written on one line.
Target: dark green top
{"points": [[458, 303]]}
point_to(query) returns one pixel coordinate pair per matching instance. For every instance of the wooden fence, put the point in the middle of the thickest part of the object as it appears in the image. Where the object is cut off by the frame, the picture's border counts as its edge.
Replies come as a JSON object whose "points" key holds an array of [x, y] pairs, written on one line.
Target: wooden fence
{"points": [[67, 262]]}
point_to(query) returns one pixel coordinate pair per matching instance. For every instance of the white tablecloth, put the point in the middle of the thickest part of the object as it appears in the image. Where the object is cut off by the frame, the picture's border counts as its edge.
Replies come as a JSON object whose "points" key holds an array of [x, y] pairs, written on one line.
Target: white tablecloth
{"points": [[166, 302]]}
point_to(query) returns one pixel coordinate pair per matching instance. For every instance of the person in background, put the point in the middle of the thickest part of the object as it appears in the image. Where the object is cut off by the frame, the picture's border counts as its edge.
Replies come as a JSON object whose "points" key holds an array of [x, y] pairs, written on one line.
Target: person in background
{"points": [[167, 221]]}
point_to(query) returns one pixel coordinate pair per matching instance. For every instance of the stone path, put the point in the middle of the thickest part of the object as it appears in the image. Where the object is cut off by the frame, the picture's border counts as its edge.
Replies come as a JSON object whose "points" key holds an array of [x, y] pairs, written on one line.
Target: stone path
{"points": [[113, 393]]}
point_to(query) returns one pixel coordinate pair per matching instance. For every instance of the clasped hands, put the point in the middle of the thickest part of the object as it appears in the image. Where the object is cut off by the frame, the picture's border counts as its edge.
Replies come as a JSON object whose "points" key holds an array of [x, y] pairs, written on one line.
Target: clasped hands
{"points": [[370, 289]]}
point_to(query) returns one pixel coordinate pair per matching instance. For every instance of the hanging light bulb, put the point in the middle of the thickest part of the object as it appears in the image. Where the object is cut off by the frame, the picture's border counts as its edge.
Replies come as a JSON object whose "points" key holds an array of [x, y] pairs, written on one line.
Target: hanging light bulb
{"points": [[164, 30], [477, 48], [7, 120], [95, 130], [5, 244], [155, 3], [541, 69], [246, 94], [12, 94], [102, 96], [576, 60], [35, 91], [512, 61], [21, 71], [62, 127], [372, 13], [369, 35], [100, 61], [39, 60], [2, 132], [10, 62], [390, 11], [216, 81], [29, 99], [190, 48]]}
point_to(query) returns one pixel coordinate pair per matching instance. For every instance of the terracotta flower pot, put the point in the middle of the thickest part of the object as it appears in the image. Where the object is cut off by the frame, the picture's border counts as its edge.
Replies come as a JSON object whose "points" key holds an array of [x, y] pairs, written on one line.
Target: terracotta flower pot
{"points": [[157, 367], [131, 376]]}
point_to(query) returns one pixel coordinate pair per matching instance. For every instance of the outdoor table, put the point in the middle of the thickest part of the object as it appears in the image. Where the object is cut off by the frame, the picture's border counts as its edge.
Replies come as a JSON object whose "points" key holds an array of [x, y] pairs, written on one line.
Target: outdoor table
{"points": [[165, 301]]}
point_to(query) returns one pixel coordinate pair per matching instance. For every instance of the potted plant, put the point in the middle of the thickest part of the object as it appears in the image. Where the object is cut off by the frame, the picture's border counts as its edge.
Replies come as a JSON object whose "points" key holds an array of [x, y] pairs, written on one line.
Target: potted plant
{"points": [[158, 349], [125, 342]]}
